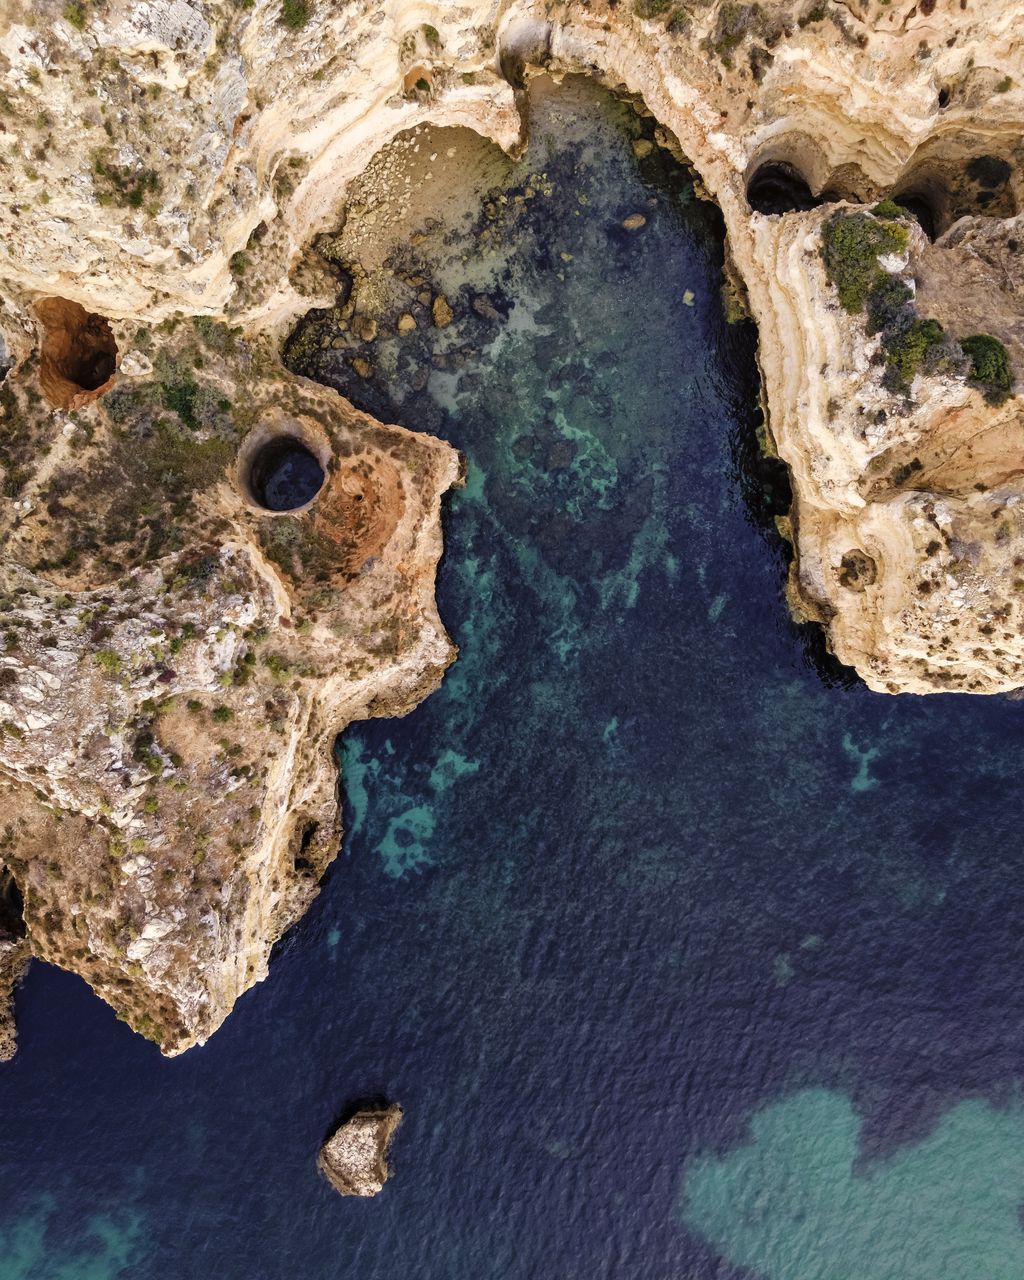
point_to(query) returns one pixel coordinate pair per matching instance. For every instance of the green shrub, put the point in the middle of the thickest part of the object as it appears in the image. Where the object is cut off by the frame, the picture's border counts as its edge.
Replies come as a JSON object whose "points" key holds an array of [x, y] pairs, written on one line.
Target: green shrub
{"points": [[886, 303], [816, 14], [990, 366], [117, 184], [108, 660], [905, 348], [651, 8], [182, 396], [75, 13], [889, 209], [294, 14], [222, 714], [851, 245]]}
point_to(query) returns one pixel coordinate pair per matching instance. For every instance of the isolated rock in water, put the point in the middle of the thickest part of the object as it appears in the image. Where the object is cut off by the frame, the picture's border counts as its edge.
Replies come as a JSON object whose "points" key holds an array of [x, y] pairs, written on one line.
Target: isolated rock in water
{"points": [[634, 222], [354, 1157]]}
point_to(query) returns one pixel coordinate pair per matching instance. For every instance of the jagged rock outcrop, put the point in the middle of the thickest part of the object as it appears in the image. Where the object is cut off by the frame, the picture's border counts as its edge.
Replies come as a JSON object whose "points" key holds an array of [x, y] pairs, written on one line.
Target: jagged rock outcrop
{"points": [[354, 1159], [176, 657]]}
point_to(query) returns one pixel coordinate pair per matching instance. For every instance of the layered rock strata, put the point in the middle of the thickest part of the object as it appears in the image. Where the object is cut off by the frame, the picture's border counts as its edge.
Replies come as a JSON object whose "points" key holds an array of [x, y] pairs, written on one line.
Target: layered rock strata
{"points": [[176, 658]]}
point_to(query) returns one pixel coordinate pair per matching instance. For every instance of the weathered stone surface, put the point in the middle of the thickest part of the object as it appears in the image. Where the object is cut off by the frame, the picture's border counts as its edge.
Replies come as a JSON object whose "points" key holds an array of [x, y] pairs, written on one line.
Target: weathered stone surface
{"points": [[354, 1158], [442, 312]]}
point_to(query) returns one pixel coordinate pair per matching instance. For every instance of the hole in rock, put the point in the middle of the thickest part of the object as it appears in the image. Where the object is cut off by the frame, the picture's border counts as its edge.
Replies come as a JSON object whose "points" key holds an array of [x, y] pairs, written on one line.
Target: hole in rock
{"points": [[301, 861], [857, 570], [78, 354], [285, 475], [12, 921], [778, 187]]}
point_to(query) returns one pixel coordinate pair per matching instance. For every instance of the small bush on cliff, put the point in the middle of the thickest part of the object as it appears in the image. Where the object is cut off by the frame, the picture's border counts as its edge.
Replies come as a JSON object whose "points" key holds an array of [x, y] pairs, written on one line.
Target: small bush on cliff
{"points": [[851, 247], [294, 14], [886, 303], [889, 209], [905, 347], [121, 184], [991, 370], [651, 8]]}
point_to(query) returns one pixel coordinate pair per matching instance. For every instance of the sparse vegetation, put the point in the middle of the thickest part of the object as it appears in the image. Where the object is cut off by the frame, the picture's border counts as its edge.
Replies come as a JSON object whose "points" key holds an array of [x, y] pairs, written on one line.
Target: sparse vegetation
{"points": [[118, 184], [889, 209], [294, 14], [107, 660], [852, 244], [991, 370], [77, 14]]}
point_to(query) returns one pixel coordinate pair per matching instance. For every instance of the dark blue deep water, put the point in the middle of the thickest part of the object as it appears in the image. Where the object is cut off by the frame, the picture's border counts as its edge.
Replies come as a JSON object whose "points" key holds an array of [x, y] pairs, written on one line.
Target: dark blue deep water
{"points": [[687, 956]]}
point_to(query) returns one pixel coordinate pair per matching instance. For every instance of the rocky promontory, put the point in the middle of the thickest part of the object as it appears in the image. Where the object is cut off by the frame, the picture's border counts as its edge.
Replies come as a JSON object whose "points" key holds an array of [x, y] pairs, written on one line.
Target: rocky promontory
{"points": [[179, 647], [354, 1159]]}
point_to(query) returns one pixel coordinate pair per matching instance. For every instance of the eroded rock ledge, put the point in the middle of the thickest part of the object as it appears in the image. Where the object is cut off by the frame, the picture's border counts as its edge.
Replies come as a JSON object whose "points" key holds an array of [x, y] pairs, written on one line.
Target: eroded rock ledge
{"points": [[177, 658]]}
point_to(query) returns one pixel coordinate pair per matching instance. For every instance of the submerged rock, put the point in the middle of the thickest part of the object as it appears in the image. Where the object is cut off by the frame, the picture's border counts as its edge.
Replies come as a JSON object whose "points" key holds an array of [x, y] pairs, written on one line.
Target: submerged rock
{"points": [[354, 1157]]}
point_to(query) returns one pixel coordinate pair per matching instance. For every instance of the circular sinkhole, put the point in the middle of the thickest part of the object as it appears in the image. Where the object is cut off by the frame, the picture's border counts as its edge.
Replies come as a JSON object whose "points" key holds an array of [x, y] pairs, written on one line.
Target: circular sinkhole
{"points": [[77, 355], [285, 475]]}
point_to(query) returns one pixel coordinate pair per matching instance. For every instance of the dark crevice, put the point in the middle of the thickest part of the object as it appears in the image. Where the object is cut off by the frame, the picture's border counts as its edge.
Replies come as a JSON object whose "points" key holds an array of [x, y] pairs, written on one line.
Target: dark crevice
{"points": [[12, 908], [303, 865], [778, 187]]}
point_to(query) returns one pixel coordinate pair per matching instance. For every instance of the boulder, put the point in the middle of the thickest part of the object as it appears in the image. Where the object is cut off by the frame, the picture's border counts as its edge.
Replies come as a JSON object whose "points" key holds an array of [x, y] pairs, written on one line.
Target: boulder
{"points": [[354, 1157]]}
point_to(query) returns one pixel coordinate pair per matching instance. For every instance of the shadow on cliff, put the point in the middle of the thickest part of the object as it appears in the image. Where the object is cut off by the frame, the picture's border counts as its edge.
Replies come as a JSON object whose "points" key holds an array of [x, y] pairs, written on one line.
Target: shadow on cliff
{"points": [[768, 496]]}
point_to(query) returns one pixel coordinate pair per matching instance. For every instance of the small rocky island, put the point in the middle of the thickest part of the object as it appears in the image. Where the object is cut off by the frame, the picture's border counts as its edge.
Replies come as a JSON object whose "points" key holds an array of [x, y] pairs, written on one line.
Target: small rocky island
{"points": [[182, 641], [354, 1159]]}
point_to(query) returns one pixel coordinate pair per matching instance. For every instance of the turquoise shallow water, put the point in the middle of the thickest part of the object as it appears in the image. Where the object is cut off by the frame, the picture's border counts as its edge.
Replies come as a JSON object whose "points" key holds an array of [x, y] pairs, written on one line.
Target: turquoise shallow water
{"points": [[689, 958]]}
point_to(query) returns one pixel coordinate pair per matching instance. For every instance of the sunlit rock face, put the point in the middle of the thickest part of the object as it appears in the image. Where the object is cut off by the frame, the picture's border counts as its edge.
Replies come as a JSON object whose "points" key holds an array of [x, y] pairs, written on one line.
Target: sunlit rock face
{"points": [[169, 168], [354, 1159], [203, 582]]}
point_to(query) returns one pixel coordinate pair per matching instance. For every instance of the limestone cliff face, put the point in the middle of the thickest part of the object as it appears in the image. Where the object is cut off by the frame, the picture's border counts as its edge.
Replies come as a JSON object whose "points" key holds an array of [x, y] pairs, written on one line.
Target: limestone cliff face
{"points": [[176, 658]]}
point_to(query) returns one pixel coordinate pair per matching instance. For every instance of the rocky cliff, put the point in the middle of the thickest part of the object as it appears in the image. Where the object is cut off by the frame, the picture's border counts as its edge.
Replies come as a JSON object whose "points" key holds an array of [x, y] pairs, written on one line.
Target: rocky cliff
{"points": [[178, 654]]}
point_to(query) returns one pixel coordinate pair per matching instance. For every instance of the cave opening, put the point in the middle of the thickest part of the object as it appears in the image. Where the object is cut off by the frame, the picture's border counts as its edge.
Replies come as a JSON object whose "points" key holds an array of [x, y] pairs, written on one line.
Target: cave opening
{"points": [[285, 475], [301, 861], [778, 187], [12, 908], [78, 353]]}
